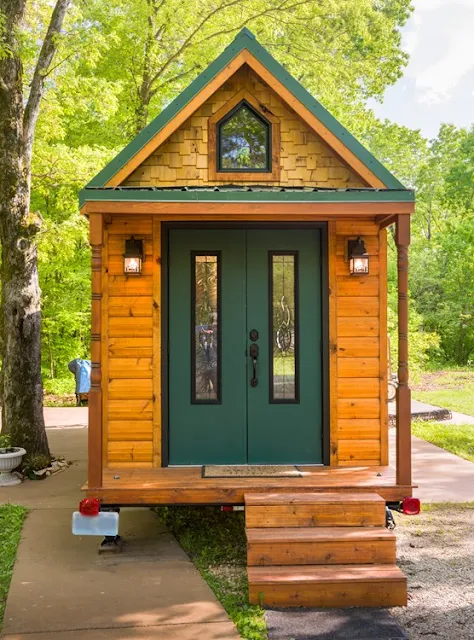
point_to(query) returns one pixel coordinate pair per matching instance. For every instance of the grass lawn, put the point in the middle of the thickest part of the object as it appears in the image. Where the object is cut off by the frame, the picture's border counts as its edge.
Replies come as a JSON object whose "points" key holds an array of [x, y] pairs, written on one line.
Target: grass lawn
{"points": [[216, 543], [453, 390], [11, 522], [458, 439]]}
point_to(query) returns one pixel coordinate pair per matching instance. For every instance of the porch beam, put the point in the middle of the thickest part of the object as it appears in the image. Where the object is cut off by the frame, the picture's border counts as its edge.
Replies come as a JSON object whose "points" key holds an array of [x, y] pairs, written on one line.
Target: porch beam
{"points": [[385, 221], [248, 210], [95, 394], [402, 239]]}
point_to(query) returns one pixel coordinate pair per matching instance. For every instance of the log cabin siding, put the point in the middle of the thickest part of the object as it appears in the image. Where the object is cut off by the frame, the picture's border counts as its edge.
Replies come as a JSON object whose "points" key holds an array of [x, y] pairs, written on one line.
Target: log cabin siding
{"points": [[361, 426], [128, 362], [132, 361]]}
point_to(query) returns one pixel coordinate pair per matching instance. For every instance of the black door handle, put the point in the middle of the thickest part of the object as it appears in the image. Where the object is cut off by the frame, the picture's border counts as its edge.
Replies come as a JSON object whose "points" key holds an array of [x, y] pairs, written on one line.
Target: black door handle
{"points": [[254, 351]]}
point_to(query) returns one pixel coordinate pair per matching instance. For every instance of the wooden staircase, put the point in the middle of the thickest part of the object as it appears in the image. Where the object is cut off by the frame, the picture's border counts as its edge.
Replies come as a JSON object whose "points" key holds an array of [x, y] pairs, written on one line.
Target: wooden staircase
{"points": [[321, 550]]}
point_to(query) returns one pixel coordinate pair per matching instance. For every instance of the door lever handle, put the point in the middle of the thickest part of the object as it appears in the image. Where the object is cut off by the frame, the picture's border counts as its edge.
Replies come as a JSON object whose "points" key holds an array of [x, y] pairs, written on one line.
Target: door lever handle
{"points": [[254, 351]]}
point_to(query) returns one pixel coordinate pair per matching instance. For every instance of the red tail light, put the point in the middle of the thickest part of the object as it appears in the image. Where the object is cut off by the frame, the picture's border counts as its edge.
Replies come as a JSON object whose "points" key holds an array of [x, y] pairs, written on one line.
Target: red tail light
{"points": [[411, 506], [89, 507], [227, 508]]}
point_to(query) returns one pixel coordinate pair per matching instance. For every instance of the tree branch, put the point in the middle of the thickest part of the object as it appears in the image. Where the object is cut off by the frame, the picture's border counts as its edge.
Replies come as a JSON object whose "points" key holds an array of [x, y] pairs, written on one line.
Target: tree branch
{"points": [[45, 58], [178, 76], [188, 41]]}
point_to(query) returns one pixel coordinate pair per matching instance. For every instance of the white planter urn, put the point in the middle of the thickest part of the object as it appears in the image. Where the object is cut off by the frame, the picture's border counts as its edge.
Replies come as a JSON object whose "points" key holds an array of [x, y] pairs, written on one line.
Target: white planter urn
{"points": [[10, 459]]}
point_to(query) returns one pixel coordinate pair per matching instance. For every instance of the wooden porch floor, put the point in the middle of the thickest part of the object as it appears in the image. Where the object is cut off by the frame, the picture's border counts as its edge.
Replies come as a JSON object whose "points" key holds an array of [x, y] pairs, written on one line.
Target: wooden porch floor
{"points": [[184, 485]]}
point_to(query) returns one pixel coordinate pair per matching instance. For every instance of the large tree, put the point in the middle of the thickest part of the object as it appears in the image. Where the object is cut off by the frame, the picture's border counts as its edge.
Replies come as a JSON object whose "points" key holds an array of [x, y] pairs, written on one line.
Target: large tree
{"points": [[22, 397]]}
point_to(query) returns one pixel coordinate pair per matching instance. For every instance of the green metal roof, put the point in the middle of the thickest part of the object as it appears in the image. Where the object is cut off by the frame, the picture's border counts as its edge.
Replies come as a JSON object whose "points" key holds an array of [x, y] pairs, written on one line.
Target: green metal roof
{"points": [[245, 40], [242, 194]]}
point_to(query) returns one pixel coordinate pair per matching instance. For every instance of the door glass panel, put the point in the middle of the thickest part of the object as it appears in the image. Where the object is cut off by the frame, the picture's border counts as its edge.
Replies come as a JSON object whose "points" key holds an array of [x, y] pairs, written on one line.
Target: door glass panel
{"points": [[284, 332], [205, 330]]}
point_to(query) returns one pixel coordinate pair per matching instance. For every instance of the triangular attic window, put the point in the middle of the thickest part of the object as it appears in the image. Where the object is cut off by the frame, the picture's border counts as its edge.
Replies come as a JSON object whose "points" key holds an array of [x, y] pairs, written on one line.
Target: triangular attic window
{"points": [[244, 141]]}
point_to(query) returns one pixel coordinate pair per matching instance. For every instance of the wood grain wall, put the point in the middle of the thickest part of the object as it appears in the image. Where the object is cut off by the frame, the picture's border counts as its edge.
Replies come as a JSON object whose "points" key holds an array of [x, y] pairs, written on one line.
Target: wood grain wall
{"points": [[128, 339], [360, 366], [131, 360], [305, 158]]}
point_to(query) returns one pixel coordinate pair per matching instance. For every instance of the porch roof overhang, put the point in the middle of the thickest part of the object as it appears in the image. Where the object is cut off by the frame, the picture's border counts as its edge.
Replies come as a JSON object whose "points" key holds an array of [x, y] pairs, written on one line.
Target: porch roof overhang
{"points": [[198, 199]]}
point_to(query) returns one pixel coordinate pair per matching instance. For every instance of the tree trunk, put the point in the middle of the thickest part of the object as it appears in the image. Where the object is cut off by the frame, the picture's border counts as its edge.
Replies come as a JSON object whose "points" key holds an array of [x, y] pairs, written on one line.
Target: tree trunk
{"points": [[21, 310], [21, 368]]}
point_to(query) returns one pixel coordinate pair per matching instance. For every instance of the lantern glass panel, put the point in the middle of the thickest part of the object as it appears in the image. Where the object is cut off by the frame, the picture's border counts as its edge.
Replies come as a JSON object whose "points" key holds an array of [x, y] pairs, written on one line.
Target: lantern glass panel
{"points": [[359, 265], [132, 265]]}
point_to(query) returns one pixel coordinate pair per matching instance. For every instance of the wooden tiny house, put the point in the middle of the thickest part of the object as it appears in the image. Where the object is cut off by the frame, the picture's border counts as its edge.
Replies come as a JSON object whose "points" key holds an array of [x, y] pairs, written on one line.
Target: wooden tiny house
{"points": [[227, 328]]}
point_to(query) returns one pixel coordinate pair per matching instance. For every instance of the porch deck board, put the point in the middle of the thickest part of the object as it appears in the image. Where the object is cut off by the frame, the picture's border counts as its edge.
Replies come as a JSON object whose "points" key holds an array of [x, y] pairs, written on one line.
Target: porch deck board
{"points": [[184, 485]]}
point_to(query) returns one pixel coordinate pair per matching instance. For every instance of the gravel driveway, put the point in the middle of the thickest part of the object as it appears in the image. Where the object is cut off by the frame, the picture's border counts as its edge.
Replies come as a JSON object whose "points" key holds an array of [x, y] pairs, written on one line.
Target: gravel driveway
{"points": [[436, 551]]}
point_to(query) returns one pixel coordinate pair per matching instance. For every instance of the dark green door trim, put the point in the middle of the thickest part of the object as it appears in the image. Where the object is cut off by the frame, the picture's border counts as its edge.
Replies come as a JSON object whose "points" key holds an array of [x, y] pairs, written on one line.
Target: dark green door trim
{"points": [[166, 227]]}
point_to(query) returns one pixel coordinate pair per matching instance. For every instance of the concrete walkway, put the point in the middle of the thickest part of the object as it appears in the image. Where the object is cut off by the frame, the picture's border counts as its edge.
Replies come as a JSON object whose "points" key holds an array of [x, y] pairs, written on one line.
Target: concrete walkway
{"points": [[65, 417], [441, 476], [63, 590], [424, 411], [459, 418]]}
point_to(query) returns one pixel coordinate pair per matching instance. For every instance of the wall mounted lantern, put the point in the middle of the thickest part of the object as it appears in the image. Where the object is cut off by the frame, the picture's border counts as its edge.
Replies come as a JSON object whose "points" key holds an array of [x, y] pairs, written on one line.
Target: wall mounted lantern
{"points": [[133, 257], [358, 257]]}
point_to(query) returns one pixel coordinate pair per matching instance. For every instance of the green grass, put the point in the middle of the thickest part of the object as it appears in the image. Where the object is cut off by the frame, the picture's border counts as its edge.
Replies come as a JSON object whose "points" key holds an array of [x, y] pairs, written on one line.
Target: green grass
{"points": [[59, 392], [59, 386], [461, 400], [215, 542], [458, 439], [452, 389], [11, 522]]}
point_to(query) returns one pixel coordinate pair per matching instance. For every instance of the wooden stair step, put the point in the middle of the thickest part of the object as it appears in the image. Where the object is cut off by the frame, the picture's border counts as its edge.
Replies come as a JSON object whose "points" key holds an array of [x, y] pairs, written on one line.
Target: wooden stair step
{"points": [[313, 497], [320, 545], [328, 586], [314, 510]]}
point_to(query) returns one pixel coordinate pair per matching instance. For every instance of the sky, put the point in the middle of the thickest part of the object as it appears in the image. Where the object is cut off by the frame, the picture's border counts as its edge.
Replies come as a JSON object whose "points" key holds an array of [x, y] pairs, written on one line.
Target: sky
{"points": [[438, 83]]}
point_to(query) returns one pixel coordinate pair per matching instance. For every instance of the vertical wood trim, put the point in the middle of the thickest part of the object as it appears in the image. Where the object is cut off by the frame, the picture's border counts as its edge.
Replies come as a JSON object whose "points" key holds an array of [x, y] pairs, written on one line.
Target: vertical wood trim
{"points": [[402, 238], [332, 343], [95, 394], [383, 347], [157, 416], [105, 346]]}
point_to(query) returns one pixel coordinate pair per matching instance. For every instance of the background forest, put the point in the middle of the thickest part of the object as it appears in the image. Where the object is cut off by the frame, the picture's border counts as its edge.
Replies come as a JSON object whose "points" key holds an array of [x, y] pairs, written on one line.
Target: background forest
{"points": [[119, 63]]}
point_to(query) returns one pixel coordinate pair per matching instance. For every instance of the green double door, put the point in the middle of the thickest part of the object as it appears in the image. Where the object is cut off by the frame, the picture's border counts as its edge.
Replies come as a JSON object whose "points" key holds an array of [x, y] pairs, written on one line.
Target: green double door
{"points": [[244, 351]]}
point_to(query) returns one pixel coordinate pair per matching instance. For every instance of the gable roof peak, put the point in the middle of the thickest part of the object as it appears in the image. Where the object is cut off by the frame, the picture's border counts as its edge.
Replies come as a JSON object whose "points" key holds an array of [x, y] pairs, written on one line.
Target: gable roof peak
{"points": [[358, 157], [245, 33]]}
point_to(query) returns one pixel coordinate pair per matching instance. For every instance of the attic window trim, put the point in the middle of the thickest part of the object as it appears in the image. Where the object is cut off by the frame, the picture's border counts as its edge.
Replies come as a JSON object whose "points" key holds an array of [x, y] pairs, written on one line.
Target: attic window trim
{"points": [[251, 175]]}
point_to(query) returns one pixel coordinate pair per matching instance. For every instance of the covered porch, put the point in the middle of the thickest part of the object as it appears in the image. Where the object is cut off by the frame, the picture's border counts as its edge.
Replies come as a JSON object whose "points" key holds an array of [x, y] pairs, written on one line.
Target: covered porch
{"points": [[178, 485], [349, 464]]}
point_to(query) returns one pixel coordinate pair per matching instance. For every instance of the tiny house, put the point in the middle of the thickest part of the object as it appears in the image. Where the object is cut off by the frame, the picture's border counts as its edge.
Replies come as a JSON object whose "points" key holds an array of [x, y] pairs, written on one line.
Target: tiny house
{"points": [[239, 329]]}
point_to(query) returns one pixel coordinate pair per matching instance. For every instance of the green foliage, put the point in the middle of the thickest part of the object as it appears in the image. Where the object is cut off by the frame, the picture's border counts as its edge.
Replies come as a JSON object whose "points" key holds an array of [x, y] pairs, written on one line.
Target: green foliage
{"points": [[120, 63], [11, 522], [458, 439], [5, 441], [442, 269], [216, 543], [60, 386], [423, 344]]}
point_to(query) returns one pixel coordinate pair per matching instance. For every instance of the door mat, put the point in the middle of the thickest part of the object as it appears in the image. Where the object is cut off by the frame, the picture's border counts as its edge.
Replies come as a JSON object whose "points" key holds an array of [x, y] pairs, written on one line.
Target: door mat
{"points": [[250, 471]]}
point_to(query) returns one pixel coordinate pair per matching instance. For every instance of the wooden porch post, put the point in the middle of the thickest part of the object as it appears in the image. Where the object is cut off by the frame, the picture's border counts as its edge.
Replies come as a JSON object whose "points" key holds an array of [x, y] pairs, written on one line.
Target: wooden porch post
{"points": [[95, 394], [402, 239]]}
